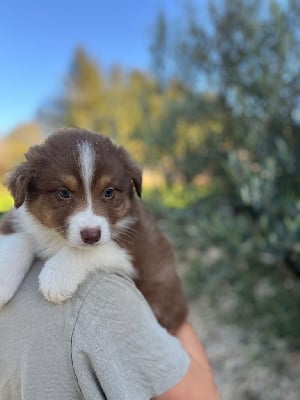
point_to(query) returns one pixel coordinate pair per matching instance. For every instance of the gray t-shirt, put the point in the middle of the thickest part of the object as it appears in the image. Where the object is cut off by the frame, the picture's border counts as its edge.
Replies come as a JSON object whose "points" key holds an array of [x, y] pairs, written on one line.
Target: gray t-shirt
{"points": [[104, 343]]}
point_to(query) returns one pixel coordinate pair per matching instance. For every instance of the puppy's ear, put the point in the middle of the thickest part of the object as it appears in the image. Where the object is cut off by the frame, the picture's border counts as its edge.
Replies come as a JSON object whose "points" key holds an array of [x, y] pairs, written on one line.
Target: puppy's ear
{"points": [[17, 182], [136, 176], [134, 171]]}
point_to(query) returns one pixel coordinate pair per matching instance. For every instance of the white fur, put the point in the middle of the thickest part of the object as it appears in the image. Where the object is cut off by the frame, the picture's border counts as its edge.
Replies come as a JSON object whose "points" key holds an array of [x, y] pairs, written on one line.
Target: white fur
{"points": [[16, 256], [45, 242], [64, 272], [87, 166], [123, 227], [68, 266], [87, 219], [125, 222]]}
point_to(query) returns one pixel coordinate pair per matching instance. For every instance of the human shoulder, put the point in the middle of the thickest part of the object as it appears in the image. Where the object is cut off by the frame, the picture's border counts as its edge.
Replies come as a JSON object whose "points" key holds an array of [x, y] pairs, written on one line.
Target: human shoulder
{"points": [[107, 304], [118, 341], [104, 292]]}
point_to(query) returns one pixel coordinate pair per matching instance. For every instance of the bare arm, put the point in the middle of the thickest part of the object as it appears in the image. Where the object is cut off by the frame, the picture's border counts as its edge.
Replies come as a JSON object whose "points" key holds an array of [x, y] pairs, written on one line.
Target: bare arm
{"points": [[197, 383]]}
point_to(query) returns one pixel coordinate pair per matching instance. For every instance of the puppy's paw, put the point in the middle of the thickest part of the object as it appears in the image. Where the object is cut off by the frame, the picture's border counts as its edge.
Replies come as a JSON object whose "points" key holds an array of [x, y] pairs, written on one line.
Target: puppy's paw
{"points": [[56, 284], [6, 294]]}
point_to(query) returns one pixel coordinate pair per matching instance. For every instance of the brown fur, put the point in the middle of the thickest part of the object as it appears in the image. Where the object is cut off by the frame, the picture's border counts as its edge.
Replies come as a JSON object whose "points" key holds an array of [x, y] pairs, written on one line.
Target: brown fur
{"points": [[6, 224], [55, 165]]}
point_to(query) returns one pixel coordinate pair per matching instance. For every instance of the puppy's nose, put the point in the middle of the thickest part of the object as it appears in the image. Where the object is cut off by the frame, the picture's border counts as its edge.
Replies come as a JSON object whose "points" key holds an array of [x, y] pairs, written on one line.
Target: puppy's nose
{"points": [[90, 235]]}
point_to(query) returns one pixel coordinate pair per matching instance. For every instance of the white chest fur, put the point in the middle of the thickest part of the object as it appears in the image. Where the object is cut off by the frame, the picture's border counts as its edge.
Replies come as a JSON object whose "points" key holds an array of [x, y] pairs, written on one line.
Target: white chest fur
{"points": [[65, 268]]}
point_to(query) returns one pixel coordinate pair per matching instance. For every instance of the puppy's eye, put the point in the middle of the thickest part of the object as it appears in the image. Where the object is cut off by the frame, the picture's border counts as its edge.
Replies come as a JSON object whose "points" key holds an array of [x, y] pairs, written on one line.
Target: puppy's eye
{"points": [[108, 193], [64, 193]]}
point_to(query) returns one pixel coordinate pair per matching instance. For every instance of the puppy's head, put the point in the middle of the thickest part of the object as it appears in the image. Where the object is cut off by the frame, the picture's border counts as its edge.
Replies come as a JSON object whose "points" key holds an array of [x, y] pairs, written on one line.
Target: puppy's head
{"points": [[78, 183]]}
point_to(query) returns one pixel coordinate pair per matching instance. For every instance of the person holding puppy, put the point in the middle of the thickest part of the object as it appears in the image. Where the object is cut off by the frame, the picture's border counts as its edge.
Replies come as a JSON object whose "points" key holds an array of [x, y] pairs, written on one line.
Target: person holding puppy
{"points": [[103, 343]]}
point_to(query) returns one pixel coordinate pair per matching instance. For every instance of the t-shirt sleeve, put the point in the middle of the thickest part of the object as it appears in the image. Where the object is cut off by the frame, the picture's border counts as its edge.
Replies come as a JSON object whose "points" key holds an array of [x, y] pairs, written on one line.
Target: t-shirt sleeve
{"points": [[119, 351]]}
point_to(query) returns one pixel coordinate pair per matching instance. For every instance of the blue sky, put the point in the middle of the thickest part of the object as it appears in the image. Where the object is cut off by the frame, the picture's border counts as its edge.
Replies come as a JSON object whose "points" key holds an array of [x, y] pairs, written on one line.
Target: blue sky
{"points": [[38, 38]]}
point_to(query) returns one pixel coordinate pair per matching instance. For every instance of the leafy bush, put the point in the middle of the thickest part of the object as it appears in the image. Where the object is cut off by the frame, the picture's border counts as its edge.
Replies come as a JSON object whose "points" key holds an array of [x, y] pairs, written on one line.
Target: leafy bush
{"points": [[240, 106], [237, 263]]}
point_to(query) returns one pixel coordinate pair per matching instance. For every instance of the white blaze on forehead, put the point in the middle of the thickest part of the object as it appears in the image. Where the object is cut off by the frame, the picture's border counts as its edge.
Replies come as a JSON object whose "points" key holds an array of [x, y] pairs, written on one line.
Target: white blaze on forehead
{"points": [[86, 218], [87, 165]]}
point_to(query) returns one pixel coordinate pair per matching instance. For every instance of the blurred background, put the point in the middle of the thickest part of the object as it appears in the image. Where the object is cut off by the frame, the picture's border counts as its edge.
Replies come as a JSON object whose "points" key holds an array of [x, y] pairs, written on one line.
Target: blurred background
{"points": [[206, 97]]}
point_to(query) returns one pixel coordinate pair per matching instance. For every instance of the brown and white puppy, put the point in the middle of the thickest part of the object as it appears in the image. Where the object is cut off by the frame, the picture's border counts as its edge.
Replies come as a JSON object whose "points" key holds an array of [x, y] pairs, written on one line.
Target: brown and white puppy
{"points": [[78, 206]]}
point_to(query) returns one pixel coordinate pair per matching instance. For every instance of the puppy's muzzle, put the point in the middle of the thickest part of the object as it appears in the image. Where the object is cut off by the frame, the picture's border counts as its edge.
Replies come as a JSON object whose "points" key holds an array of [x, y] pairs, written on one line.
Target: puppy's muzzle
{"points": [[90, 235]]}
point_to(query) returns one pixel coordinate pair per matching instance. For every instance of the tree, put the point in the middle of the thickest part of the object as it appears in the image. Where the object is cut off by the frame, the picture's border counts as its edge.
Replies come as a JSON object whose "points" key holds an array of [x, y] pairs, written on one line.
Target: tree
{"points": [[246, 58], [112, 103], [16, 143], [159, 49], [83, 97]]}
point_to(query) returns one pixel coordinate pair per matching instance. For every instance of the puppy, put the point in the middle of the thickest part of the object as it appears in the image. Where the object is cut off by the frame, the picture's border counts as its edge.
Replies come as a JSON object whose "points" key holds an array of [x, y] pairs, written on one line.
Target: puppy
{"points": [[78, 206]]}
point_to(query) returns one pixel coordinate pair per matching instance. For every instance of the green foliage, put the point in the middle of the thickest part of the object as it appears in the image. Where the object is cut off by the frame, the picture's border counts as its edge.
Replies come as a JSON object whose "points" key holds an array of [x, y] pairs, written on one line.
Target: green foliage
{"points": [[111, 102], [82, 98], [158, 49], [176, 197], [246, 133], [241, 94], [230, 262], [6, 201]]}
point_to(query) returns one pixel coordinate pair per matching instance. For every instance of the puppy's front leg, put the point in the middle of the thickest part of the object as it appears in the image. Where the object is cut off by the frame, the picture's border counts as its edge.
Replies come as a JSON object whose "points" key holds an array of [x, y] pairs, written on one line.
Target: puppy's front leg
{"points": [[16, 256], [67, 269], [62, 274]]}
